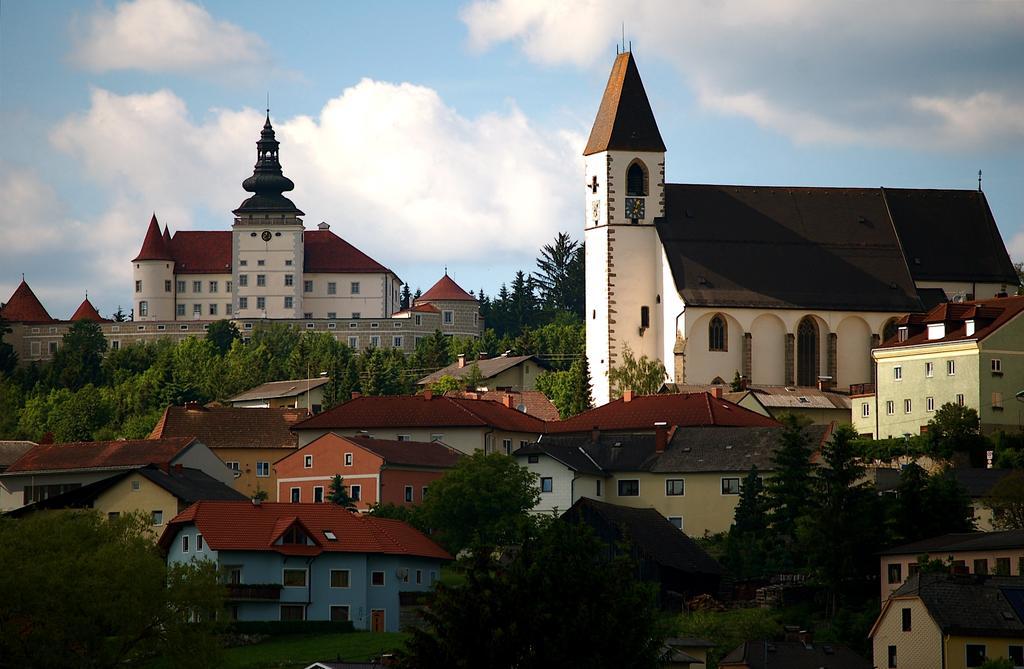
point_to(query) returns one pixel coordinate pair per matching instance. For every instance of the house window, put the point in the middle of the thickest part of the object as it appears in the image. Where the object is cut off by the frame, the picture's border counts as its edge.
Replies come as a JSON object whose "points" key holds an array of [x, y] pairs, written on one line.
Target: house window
{"points": [[377, 578], [263, 469], [158, 519], [546, 484], [354, 288], [674, 487], [289, 279], [243, 303], [533, 459], [143, 308], [339, 613], [950, 367], [53, 347], [180, 285], [997, 400], [997, 366], [423, 492], [890, 407], [396, 342], [981, 566], [960, 399], [865, 409], [374, 341], [348, 459], [403, 437], [353, 342], [243, 280], [929, 369], [677, 521], [261, 303], [197, 286], [355, 492], [895, 573], [332, 288], [408, 493], [213, 309], [506, 444], [184, 543], [293, 612], [419, 576], [437, 437], [897, 373], [730, 486], [296, 495], [906, 620], [138, 286], [227, 286], [598, 487], [34, 348], [318, 494], [629, 488], [356, 315], [167, 285], [1003, 566], [287, 263], [717, 334], [645, 317], [197, 310], [307, 462], [294, 578], [179, 309], [929, 403], [976, 653], [419, 319], [213, 286], [892, 657], [199, 542], [115, 344], [261, 280], [289, 302], [340, 578], [307, 286], [1017, 656], [232, 465], [907, 406], [449, 317], [136, 485]]}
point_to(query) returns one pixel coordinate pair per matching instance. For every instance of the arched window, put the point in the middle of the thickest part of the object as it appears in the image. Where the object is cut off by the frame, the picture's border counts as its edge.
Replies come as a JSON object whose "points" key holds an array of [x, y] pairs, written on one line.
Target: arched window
{"points": [[807, 356], [635, 179], [717, 334]]}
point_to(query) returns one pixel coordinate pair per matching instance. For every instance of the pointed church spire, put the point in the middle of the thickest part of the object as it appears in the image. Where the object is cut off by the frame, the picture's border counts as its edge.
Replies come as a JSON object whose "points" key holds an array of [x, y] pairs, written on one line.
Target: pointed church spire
{"points": [[268, 183], [167, 237], [153, 247], [624, 120]]}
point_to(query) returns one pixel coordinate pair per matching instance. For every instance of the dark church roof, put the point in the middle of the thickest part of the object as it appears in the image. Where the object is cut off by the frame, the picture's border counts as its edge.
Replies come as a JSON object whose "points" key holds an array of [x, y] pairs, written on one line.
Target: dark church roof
{"points": [[781, 247], [625, 119]]}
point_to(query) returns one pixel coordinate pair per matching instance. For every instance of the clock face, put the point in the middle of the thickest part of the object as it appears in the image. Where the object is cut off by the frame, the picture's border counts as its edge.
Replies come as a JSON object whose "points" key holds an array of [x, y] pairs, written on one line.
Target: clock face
{"points": [[266, 235], [634, 208]]}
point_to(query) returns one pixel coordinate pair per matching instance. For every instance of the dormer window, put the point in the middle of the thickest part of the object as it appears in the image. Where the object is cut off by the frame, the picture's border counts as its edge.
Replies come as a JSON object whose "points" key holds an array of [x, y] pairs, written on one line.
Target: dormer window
{"points": [[902, 333], [969, 325], [936, 330], [294, 536], [330, 536]]}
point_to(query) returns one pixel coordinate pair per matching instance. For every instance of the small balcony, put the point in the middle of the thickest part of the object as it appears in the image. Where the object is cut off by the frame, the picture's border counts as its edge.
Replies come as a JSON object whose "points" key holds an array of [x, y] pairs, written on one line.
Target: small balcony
{"points": [[256, 592], [862, 389]]}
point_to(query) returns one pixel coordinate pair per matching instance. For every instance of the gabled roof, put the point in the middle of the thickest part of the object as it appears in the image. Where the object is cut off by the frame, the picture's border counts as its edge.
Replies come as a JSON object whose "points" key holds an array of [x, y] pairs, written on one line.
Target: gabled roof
{"points": [[93, 455], [643, 411], [775, 397], [276, 389], [244, 526], [488, 367], [978, 481], [650, 532], [969, 604], [409, 453], [765, 654], [24, 307], [988, 316], [87, 312], [201, 251], [624, 119], [445, 290], [961, 542], [830, 248], [153, 246], [363, 413], [230, 427], [327, 252], [12, 450], [532, 402]]}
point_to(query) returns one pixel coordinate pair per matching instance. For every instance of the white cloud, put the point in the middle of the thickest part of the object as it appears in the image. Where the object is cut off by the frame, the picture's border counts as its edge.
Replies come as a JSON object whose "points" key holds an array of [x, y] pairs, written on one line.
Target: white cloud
{"points": [[163, 36], [917, 73], [30, 218], [1015, 247]]}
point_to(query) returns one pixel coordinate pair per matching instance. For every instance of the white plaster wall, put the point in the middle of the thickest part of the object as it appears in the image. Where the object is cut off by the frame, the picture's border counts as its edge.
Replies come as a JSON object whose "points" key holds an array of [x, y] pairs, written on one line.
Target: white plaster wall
{"points": [[288, 246], [204, 298], [768, 350], [670, 316], [377, 298], [596, 253], [707, 365], [854, 339], [153, 274]]}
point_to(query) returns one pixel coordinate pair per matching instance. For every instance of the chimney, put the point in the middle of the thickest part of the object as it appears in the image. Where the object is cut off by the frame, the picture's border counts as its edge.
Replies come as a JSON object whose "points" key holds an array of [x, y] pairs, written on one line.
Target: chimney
{"points": [[192, 405], [323, 225], [824, 382], [482, 355], [256, 501], [508, 400], [356, 394], [660, 436], [462, 360], [428, 394], [595, 434], [716, 392], [627, 395]]}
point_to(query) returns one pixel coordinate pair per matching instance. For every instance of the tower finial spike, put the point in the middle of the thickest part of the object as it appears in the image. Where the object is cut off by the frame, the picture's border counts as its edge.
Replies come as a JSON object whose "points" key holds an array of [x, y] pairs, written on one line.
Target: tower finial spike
{"points": [[623, 37], [979, 181], [268, 104]]}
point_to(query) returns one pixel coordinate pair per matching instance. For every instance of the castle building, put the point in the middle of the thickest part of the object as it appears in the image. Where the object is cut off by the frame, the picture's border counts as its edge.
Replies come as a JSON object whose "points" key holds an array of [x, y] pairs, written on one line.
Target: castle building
{"points": [[784, 285]]}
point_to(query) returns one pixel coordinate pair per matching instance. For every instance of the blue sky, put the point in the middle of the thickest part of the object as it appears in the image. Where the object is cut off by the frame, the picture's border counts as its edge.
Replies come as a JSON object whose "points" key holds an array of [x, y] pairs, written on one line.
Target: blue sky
{"points": [[448, 133]]}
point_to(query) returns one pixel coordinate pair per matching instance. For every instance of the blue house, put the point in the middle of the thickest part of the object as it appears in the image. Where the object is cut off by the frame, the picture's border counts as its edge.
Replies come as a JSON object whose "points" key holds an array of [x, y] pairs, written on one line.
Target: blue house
{"points": [[307, 561]]}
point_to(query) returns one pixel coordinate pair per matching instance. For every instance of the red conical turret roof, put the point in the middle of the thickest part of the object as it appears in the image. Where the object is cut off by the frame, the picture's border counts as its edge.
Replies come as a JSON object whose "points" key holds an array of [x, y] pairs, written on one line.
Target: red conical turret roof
{"points": [[167, 237], [154, 248], [25, 307], [445, 290], [87, 312]]}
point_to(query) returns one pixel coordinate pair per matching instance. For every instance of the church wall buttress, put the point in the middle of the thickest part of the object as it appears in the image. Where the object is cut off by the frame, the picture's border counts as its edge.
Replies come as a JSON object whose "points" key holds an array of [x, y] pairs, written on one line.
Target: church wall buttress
{"points": [[790, 357]]}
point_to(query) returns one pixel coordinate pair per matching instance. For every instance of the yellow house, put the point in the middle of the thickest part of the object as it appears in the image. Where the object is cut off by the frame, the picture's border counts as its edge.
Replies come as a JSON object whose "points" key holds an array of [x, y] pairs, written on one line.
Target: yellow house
{"points": [[969, 353], [943, 621], [295, 394], [503, 372]]}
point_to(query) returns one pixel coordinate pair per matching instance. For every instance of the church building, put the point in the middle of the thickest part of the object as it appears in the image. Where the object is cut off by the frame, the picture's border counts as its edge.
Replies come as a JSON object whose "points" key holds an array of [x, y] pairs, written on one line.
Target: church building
{"points": [[785, 285]]}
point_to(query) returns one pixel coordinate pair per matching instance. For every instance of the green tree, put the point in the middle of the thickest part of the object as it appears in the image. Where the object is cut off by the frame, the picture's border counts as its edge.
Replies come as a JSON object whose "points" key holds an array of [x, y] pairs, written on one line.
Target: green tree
{"points": [[119, 315], [222, 334], [432, 353], [483, 500], [746, 543], [514, 616], [8, 357], [119, 603], [1006, 501], [929, 506], [472, 378], [384, 372], [280, 339], [790, 488], [957, 429], [79, 358], [569, 391], [643, 376], [446, 384], [560, 275], [737, 383], [11, 401], [406, 298], [337, 493], [198, 369]]}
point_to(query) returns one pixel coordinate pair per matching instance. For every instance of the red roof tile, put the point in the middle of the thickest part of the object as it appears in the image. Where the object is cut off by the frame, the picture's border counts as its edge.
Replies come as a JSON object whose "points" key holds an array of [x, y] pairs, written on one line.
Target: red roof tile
{"points": [[100, 455], [167, 237], [421, 308], [681, 410], [411, 453], [534, 402], [201, 251], [327, 252], [988, 316], [244, 526], [445, 290], [418, 411], [230, 427], [87, 312], [25, 307], [153, 246]]}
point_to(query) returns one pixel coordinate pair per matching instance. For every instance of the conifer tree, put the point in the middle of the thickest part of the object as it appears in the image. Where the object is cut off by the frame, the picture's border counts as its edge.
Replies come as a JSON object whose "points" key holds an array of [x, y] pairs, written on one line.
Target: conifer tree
{"points": [[789, 489]]}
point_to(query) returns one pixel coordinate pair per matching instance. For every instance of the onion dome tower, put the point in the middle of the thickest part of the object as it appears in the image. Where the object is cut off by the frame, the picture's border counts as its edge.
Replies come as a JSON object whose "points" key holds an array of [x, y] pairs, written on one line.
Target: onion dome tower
{"points": [[268, 183]]}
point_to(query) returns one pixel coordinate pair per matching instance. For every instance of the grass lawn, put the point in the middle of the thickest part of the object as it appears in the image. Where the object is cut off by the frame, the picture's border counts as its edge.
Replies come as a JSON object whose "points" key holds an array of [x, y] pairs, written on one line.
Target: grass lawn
{"points": [[300, 650]]}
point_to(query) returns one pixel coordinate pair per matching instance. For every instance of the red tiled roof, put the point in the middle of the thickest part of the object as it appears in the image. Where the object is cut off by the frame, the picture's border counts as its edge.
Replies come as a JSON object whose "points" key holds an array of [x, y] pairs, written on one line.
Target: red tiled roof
{"points": [[414, 453], [681, 410], [24, 307], [230, 427], [201, 251], [167, 236], [100, 455], [87, 312], [153, 246], [421, 308], [418, 411], [988, 316], [244, 526], [535, 402], [445, 290], [327, 252]]}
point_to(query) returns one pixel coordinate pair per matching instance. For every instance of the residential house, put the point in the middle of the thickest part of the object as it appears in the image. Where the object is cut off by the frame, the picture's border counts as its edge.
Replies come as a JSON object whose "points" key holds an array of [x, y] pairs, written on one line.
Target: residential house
{"points": [[48, 470], [684, 653], [691, 475], [978, 482], [662, 554], [767, 654], [296, 394], [947, 621], [11, 451], [464, 424], [159, 493], [532, 402], [307, 561], [968, 353], [821, 406], [249, 441], [503, 372], [999, 553], [374, 470], [744, 398]]}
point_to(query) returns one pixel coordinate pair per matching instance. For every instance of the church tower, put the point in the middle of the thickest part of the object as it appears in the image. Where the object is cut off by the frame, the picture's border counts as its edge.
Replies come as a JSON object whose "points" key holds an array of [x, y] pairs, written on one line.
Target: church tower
{"points": [[266, 242], [625, 192]]}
